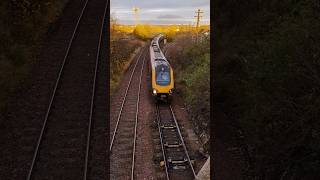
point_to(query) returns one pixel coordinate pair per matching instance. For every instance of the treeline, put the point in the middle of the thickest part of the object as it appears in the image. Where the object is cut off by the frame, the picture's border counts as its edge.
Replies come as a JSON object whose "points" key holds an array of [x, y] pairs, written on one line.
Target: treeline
{"points": [[147, 31], [267, 82], [22, 25], [191, 62]]}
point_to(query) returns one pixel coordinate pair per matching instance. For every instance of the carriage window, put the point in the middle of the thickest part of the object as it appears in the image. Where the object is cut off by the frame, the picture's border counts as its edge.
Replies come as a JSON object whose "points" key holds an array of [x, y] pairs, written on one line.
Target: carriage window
{"points": [[163, 75]]}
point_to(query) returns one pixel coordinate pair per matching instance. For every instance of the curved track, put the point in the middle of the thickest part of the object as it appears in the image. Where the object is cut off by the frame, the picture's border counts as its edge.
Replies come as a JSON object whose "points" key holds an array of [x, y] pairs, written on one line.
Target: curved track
{"points": [[123, 139], [63, 147]]}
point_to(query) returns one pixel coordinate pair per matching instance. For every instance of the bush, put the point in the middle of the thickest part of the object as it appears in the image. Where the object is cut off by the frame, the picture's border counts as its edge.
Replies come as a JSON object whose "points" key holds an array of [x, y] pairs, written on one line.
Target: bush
{"points": [[191, 63], [123, 47]]}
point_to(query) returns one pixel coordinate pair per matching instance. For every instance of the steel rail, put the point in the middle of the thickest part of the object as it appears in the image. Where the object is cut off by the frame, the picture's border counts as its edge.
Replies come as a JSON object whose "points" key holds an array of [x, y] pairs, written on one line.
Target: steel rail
{"points": [[123, 101], [184, 146], [93, 92], [161, 140], [54, 92], [136, 121]]}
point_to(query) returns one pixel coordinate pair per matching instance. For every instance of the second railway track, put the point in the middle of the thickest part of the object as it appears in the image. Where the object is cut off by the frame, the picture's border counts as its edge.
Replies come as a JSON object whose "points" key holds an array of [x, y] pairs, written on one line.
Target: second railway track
{"points": [[123, 134], [63, 147]]}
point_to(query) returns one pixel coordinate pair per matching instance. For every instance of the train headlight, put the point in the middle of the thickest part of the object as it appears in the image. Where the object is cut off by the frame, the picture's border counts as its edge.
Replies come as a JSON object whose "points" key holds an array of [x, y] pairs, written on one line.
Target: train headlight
{"points": [[170, 91], [154, 92]]}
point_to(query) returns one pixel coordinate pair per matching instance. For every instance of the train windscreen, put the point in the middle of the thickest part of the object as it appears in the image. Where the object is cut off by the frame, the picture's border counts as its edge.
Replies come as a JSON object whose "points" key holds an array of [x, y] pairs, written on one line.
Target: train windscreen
{"points": [[163, 75]]}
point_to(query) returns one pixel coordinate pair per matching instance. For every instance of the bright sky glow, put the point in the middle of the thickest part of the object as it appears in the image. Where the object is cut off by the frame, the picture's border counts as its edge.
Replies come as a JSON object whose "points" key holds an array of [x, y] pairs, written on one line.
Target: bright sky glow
{"points": [[160, 11]]}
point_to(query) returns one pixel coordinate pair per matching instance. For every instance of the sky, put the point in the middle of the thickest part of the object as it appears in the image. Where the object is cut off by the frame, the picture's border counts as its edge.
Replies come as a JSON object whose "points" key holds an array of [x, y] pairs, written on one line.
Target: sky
{"points": [[160, 11]]}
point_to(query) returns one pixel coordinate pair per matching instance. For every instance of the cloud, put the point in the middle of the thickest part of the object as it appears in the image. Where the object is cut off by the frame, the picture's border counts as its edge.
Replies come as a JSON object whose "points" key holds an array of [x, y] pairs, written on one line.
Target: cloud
{"points": [[143, 4], [169, 16], [160, 11]]}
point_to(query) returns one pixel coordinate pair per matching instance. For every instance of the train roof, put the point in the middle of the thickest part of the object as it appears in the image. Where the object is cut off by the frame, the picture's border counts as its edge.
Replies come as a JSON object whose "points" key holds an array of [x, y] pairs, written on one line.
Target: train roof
{"points": [[161, 61], [157, 55], [156, 48], [157, 37]]}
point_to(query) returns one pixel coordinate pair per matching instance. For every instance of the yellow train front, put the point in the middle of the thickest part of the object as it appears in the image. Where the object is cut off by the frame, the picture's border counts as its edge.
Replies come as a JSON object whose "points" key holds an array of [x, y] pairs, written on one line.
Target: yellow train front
{"points": [[161, 72]]}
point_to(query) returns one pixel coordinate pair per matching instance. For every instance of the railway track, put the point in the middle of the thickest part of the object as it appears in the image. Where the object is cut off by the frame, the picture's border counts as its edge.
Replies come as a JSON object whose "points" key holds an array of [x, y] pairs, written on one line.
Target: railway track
{"points": [[176, 159], [71, 125], [123, 137]]}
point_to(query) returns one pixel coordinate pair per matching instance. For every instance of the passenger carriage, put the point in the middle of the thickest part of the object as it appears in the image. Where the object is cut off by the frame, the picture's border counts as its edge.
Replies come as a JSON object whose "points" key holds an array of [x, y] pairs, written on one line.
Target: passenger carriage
{"points": [[162, 81]]}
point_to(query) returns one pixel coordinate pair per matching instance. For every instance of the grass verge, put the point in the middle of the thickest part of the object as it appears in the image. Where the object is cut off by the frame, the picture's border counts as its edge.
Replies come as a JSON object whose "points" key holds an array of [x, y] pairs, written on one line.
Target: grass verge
{"points": [[191, 62]]}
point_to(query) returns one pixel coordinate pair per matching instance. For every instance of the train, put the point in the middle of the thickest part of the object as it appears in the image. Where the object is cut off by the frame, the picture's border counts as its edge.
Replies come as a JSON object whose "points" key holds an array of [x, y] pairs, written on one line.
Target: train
{"points": [[162, 79]]}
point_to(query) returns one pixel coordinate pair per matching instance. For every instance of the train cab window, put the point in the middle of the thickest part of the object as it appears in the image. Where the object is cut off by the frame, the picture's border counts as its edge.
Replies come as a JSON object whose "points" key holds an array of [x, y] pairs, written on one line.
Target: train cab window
{"points": [[163, 75]]}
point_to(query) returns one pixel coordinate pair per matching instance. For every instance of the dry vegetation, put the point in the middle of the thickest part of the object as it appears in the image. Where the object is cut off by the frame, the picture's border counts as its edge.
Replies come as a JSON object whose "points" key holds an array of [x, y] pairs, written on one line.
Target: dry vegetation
{"points": [[123, 47]]}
